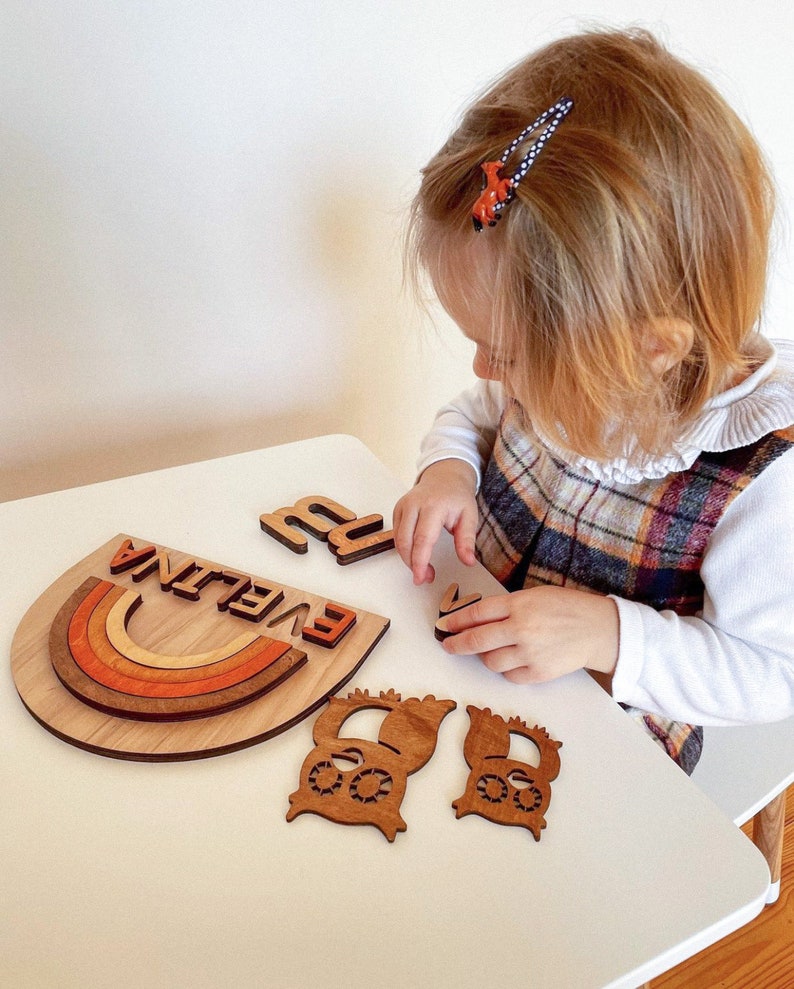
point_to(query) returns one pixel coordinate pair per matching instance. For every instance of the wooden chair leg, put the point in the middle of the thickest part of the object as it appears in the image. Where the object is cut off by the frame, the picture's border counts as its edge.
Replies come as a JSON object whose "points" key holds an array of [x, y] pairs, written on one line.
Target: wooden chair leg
{"points": [[768, 828]]}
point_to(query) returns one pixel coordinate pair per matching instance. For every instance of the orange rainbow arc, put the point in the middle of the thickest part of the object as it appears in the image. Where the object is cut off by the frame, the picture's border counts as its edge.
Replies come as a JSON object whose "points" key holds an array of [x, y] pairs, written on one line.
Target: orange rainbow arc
{"points": [[93, 668], [102, 644]]}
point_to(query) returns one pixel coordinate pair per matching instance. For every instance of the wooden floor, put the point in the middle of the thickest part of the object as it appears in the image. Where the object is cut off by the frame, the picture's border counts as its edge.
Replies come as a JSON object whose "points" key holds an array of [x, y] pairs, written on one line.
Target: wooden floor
{"points": [[758, 956]]}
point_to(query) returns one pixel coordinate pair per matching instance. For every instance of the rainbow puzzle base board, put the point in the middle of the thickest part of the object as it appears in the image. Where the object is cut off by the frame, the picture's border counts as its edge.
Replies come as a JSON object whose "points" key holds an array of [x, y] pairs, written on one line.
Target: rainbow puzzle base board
{"points": [[145, 653]]}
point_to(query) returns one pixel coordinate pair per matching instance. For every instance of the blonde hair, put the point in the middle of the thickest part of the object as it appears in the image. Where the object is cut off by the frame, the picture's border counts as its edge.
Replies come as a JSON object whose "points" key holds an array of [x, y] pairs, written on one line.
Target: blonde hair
{"points": [[651, 204]]}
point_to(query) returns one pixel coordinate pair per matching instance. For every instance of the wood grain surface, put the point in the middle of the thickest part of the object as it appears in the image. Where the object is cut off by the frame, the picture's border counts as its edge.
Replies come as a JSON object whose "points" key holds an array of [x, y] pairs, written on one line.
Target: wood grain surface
{"points": [[176, 642]]}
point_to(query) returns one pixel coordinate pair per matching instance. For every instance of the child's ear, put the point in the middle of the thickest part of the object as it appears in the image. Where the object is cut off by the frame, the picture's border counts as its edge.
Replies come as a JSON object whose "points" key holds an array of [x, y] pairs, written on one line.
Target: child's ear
{"points": [[670, 340]]}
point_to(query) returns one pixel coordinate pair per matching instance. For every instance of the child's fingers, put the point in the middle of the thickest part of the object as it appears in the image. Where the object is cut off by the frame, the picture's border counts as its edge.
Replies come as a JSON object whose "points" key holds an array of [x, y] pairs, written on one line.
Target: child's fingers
{"points": [[480, 628], [413, 539], [481, 640], [495, 608], [465, 534], [428, 529], [404, 523]]}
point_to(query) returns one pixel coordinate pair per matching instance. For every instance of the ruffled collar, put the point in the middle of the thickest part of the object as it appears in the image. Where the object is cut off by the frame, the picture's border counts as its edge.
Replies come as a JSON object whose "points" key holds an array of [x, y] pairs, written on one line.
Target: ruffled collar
{"points": [[760, 404]]}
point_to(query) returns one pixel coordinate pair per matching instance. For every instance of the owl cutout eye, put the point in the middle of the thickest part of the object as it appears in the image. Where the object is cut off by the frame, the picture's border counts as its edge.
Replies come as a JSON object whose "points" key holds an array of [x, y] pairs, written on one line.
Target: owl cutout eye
{"points": [[360, 781]]}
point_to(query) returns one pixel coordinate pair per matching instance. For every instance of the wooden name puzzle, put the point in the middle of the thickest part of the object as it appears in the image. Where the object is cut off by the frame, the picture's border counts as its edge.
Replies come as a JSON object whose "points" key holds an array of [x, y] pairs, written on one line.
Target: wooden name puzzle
{"points": [[143, 652], [450, 603], [349, 538], [501, 789], [357, 781]]}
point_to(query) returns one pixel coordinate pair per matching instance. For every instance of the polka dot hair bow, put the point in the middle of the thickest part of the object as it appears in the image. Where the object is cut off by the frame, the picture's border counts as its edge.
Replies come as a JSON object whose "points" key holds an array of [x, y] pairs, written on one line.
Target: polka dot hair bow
{"points": [[498, 192]]}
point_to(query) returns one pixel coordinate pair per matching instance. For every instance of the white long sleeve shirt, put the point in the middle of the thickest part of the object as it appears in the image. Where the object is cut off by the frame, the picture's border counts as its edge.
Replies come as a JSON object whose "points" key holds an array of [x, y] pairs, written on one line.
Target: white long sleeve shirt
{"points": [[733, 663]]}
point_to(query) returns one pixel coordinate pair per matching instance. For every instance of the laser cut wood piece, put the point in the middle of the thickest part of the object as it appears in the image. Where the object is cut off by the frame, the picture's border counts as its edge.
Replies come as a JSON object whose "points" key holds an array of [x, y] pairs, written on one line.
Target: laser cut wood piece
{"points": [[359, 539], [258, 603], [501, 789], [156, 651], [240, 583], [161, 562], [440, 630], [450, 603], [82, 670], [306, 513], [127, 556], [358, 781], [191, 587], [329, 629]]}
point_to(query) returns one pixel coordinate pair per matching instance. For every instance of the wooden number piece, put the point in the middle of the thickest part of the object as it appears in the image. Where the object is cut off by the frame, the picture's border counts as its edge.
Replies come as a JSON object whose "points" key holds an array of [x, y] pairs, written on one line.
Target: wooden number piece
{"points": [[450, 603], [358, 781], [502, 789]]}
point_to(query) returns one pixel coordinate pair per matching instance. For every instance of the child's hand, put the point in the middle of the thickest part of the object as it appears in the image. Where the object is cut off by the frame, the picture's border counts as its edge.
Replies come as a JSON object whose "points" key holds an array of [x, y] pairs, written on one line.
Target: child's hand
{"points": [[539, 633], [442, 498]]}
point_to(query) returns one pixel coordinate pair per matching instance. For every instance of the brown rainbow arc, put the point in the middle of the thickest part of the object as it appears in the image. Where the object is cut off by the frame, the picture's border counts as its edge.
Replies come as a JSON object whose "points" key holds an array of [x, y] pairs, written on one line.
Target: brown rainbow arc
{"points": [[92, 667]]}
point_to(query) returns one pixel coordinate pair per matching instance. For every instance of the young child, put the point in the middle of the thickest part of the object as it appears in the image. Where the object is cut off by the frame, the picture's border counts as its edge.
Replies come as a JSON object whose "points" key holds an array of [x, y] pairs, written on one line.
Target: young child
{"points": [[625, 465]]}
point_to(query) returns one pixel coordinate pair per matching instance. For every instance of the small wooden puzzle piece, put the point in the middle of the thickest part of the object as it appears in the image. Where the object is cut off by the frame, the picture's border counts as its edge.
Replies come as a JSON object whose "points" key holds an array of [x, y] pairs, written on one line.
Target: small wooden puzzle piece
{"points": [[305, 513], [349, 538], [118, 618], [359, 539], [328, 630], [127, 556], [501, 789], [450, 603], [190, 587], [257, 603], [358, 781], [162, 563]]}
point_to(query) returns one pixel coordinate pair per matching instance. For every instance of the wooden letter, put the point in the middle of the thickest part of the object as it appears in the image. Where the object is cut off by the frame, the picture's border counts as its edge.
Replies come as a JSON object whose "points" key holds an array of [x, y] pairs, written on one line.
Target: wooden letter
{"points": [[241, 582], [200, 578], [304, 513], [329, 630], [162, 563], [450, 603], [359, 539], [127, 556]]}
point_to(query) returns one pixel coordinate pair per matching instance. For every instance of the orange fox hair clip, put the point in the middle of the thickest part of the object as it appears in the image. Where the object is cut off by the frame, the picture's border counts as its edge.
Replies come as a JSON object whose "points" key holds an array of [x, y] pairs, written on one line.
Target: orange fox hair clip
{"points": [[497, 191]]}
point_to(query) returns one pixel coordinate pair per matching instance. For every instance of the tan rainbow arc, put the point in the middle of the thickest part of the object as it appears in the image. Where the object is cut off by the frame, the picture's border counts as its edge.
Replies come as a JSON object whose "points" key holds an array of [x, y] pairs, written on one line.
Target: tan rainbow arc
{"points": [[101, 642], [118, 618], [107, 666], [102, 678]]}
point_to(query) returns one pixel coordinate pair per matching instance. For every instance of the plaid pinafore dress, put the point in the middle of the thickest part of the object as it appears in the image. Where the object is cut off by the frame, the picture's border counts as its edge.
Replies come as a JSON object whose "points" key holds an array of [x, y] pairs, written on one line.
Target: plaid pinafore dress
{"points": [[543, 522]]}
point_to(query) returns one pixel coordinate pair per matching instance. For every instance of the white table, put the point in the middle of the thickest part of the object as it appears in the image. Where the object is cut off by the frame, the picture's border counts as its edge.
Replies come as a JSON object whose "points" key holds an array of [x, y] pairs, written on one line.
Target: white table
{"points": [[117, 873]]}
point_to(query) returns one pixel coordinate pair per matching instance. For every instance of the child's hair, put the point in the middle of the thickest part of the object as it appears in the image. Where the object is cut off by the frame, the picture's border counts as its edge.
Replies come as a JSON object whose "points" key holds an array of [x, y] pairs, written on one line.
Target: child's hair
{"points": [[650, 205]]}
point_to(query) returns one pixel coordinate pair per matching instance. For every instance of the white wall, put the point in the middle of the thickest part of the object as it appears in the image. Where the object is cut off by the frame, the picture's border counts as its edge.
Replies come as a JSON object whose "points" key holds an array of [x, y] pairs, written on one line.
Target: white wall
{"points": [[201, 203]]}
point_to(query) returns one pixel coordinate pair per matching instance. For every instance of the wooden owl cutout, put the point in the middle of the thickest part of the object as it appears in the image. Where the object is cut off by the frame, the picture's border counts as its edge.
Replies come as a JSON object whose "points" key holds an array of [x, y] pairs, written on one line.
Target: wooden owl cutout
{"points": [[501, 789], [358, 781]]}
